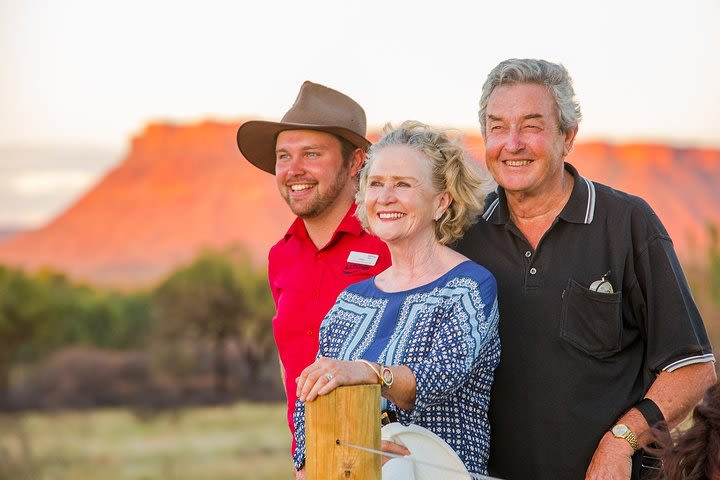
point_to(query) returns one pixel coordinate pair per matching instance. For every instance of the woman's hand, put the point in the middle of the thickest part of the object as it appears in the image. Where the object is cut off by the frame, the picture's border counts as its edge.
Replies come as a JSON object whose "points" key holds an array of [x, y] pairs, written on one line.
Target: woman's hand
{"points": [[394, 448], [326, 374]]}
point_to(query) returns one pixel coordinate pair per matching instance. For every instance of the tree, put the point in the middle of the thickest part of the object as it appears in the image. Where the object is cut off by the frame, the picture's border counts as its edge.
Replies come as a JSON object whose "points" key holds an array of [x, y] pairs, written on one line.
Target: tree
{"points": [[714, 263], [256, 328], [217, 298], [25, 308]]}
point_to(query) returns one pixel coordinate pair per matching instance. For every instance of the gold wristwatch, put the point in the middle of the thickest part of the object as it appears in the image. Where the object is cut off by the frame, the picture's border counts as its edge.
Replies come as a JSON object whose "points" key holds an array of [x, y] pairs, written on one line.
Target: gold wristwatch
{"points": [[386, 378], [623, 431], [384, 374]]}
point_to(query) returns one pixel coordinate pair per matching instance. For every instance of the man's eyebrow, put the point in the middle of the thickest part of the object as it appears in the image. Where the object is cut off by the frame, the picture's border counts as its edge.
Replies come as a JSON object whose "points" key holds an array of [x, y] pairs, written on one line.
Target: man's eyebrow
{"points": [[306, 147], [529, 116]]}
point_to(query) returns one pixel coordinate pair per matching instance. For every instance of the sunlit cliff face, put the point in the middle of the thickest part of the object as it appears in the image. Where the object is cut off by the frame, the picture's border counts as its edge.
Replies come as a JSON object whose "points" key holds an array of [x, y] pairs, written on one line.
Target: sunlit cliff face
{"points": [[184, 187]]}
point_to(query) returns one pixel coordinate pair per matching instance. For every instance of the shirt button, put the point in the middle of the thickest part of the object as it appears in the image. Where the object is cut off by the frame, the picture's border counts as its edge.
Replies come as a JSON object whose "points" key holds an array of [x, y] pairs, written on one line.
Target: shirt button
{"points": [[528, 254], [533, 271], [310, 332]]}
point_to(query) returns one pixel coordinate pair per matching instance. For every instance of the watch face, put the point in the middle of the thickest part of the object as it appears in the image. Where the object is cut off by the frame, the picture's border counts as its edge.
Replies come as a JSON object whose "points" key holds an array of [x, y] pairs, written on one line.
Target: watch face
{"points": [[387, 376], [620, 429]]}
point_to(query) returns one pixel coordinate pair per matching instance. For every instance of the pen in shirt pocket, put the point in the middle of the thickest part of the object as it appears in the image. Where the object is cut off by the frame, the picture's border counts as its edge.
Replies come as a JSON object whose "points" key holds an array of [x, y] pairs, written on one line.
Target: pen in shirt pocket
{"points": [[603, 285]]}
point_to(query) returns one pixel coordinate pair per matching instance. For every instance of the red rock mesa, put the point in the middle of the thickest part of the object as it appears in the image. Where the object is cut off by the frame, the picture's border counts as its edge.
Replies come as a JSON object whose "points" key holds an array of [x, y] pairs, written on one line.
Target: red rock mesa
{"points": [[185, 187]]}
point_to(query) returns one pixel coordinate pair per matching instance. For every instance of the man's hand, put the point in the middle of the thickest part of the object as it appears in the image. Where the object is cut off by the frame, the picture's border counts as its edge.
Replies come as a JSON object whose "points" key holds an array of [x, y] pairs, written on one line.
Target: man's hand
{"points": [[612, 460], [675, 393], [300, 474]]}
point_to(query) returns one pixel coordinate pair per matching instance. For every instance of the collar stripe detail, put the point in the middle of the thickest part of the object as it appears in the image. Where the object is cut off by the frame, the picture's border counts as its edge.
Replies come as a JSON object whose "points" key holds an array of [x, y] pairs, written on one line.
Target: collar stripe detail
{"points": [[491, 209], [590, 210], [708, 357]]}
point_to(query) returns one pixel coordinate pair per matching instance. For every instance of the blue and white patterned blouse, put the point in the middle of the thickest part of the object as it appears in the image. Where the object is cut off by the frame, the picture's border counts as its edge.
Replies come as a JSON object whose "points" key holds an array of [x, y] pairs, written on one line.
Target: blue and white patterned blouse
{"points": [[446, 332]]}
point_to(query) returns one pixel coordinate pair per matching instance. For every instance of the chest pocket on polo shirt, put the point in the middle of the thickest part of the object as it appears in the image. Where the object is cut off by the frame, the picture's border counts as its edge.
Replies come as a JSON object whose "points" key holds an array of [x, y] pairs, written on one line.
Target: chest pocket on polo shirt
{"points": [[591, 321]]}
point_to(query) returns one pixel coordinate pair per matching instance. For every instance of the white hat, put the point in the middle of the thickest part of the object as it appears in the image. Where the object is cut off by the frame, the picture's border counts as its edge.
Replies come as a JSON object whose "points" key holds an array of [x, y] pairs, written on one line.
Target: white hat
{"points": [[430, 450]]}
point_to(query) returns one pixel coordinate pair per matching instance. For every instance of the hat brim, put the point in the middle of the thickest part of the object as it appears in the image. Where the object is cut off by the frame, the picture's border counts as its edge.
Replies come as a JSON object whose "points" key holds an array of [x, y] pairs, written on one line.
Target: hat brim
{"points": [[429, 448], [256, 140]]}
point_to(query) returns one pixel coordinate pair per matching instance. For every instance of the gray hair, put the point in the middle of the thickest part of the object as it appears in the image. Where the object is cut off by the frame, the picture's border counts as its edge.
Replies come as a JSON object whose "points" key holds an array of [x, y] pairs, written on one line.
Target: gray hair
{"points": [[529, 70]]}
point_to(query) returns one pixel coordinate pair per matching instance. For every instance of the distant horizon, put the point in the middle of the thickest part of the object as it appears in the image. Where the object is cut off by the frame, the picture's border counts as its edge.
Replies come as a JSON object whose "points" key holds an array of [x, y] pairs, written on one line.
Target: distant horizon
{"points": [[183, 189], [121, 146], [39, 182], [92, 73]]}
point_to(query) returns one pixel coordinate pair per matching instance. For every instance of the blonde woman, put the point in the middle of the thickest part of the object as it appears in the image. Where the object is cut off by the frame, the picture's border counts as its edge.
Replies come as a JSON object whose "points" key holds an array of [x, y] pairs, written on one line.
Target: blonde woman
{"points": [[426, 327]]}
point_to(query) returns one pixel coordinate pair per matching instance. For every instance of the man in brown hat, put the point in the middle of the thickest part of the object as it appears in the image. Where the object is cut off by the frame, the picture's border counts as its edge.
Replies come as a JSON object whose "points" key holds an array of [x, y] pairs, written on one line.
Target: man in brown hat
{"points": [[315, 153]]}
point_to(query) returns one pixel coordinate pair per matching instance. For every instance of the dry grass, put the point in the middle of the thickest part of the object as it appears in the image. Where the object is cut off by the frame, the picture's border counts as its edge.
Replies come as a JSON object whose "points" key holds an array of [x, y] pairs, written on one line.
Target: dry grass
{"points": [[244, 441]]}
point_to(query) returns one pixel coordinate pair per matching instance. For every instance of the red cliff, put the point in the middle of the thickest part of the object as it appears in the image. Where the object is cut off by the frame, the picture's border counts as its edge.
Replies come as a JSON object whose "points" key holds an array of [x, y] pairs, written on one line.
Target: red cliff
{"points": [[185, 187], [180, 189]]}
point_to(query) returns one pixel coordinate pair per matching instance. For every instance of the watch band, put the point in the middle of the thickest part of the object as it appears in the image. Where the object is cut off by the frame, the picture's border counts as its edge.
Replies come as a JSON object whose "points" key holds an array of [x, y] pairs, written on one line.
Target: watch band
{"points": [[652, 413], [623, 431]]}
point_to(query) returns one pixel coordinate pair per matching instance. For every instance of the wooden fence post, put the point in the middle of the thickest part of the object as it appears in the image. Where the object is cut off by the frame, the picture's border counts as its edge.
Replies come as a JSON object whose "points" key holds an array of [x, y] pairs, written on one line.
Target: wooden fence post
{"points": [[349, 414]]}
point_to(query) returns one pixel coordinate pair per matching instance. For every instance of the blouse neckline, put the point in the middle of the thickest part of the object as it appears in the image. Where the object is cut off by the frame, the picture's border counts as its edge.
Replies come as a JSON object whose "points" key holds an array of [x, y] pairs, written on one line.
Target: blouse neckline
{"points": [[427, 286]]}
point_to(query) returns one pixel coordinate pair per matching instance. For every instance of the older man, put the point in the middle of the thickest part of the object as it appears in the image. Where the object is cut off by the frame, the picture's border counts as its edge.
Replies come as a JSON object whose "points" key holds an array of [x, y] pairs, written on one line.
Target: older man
{"points": [[599, 330], [315, 153]]}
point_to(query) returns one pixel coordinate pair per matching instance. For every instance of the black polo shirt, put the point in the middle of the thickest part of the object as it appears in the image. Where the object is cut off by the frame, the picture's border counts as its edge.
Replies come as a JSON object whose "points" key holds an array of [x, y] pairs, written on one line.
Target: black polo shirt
{"points": [[574, 360]]}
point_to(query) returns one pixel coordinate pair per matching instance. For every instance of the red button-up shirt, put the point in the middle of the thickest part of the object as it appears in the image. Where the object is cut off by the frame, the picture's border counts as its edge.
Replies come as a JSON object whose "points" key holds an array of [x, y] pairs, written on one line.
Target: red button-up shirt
{"points": [[305, 283]]}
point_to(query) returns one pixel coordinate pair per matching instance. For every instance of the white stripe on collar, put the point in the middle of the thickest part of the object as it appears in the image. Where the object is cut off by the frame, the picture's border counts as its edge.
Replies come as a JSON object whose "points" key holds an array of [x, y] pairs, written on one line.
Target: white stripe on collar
{"points": [[488, 213], [590, 209]]}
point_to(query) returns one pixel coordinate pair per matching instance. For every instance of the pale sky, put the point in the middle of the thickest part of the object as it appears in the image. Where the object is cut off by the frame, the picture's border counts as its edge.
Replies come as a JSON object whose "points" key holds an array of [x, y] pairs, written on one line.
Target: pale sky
{"points": [[94, 72], [90, 74]]}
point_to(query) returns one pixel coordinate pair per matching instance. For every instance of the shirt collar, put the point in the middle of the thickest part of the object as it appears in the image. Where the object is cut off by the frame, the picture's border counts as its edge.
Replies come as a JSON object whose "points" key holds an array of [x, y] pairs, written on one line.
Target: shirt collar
{"points": [[349, 224], [580, 207]]}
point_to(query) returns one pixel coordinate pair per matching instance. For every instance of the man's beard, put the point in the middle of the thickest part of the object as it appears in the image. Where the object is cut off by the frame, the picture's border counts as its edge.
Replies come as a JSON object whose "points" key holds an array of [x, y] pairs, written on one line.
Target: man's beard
{"points": [[321, 202]]}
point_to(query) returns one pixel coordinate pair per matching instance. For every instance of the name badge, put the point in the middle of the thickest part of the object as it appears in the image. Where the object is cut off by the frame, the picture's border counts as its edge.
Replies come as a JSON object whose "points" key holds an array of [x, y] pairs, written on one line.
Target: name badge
{"points": [[363, 258]]}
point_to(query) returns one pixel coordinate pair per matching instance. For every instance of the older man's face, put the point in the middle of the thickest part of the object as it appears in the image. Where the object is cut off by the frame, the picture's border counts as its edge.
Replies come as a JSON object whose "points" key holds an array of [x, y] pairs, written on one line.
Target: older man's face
{"points": [[524, 148]]}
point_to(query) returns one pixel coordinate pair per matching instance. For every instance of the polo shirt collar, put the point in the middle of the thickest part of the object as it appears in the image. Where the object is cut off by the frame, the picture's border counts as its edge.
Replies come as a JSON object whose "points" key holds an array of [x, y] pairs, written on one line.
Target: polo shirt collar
{"points": [[497, 212], [580, 207], [349, 224]]}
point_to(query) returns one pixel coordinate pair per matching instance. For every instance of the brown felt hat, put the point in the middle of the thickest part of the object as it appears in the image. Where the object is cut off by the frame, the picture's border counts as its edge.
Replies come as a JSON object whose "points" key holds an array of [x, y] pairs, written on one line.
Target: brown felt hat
{"points": [[316, 108]]}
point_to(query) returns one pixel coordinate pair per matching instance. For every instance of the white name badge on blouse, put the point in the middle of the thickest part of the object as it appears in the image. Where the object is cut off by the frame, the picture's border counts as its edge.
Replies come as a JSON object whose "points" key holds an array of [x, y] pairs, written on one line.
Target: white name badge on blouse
{"points": [[363, 258]]}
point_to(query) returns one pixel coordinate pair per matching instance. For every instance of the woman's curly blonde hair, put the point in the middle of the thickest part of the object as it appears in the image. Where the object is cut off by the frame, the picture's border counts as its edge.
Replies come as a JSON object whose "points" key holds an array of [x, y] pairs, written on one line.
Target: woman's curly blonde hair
{"points": [[451, 172]]}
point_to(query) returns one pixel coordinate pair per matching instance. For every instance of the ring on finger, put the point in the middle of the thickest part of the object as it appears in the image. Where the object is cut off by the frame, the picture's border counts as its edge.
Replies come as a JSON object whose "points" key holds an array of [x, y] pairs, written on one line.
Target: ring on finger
{"points": [[329, 376]]}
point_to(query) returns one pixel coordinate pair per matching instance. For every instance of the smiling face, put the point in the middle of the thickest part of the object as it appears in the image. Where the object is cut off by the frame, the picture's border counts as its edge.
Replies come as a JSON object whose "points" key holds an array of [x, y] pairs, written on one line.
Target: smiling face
{"points": [[310, 172], [400, 199], [524, 148]]}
